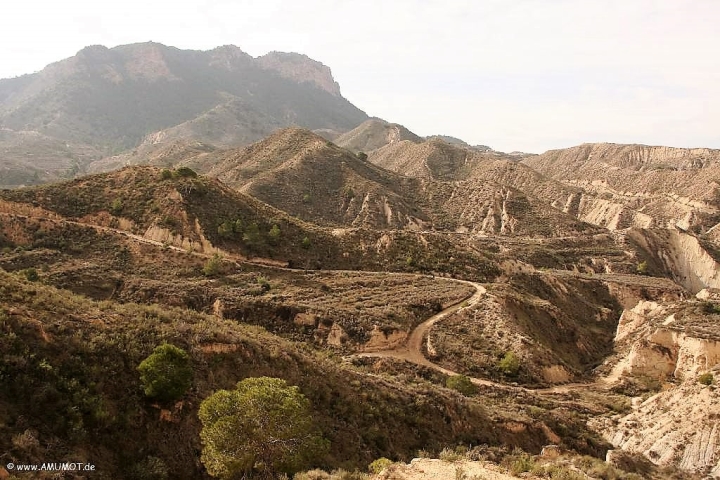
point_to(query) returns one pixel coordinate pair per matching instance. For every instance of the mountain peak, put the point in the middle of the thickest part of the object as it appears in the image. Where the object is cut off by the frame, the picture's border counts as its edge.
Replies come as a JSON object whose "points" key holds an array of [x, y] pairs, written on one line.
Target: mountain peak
{"points": [[300, 68]]}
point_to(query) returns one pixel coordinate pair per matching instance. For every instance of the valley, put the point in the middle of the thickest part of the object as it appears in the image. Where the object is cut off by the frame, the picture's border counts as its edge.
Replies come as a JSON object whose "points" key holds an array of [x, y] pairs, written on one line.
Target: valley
{"points": [[548, 316]]}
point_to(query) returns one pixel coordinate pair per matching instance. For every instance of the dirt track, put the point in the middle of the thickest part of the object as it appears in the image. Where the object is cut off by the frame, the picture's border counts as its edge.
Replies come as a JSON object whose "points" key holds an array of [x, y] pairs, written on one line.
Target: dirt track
{"points": [[411, 351]]}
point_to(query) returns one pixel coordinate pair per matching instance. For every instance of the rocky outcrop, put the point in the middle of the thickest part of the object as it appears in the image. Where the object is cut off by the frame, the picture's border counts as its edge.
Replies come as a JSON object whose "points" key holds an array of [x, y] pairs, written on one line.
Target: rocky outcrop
{"points": [[300, 68], [681, 255], [163, 235], [637, 185], [676, 427]]}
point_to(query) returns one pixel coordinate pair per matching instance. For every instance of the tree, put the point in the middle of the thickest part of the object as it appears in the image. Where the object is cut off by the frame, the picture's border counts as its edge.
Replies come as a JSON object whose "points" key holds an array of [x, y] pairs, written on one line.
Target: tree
{"points": [[186, 172], [252, 236], [306, 243], [263, 426], [510, 364], [212, 266], [226, 229], [462, 384], [166, 374], [274, 234]]}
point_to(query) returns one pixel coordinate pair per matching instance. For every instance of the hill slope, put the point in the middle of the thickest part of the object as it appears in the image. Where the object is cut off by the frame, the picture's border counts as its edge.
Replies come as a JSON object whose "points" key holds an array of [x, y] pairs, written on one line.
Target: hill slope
{"points": [[646, 186], [373, 134], [308, 177]]}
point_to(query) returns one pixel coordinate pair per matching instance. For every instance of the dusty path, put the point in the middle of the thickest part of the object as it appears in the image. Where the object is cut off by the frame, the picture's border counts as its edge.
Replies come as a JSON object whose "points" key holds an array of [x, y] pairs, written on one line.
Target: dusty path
{"points": [[411, 351]]}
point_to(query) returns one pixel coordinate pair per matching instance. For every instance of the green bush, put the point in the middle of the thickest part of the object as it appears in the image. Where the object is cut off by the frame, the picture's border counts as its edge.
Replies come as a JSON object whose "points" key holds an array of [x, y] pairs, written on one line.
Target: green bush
{"points": [[165, 174], [306, 243], [274, 234], [31, 274], [706, 378], [166, 374], [252, 236], [462, 384], [449, 455], [116, 206], [509, 365], [263, 426], [642, 268], [213, 266], [185, 172], [519, 462], [379, 465]]}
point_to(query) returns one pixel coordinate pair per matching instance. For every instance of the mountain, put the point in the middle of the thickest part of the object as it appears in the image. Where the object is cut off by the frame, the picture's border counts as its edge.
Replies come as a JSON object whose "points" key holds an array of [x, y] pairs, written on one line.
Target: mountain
{"points": [[641, 185], [306, 176], [113, 98], [373, 134], [456, 141]]}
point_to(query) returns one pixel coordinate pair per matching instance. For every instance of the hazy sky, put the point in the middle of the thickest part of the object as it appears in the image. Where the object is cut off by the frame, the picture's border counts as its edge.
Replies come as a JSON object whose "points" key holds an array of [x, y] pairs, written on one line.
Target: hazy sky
{"points": [[526, 75]]}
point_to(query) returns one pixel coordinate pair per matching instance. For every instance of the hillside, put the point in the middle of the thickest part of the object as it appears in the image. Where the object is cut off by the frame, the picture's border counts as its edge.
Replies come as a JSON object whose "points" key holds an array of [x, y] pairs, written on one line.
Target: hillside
{"points": [[310, 178], [648, 186], [113, 98], [373, 134], [204, 215]]}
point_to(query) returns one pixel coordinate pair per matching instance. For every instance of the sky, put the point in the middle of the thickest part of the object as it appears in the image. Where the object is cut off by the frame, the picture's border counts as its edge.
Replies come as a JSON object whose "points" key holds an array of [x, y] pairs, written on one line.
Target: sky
{"points": [[525, 75]]}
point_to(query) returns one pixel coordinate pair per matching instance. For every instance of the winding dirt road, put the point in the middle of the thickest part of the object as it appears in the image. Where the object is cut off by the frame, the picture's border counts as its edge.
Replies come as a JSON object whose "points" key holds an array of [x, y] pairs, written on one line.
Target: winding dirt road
{"points": [[411, 351]]}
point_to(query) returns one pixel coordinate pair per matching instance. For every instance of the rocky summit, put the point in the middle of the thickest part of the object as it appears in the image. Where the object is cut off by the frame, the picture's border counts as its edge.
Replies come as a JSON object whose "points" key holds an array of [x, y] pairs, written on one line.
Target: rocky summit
{"points": [[215, 266]]}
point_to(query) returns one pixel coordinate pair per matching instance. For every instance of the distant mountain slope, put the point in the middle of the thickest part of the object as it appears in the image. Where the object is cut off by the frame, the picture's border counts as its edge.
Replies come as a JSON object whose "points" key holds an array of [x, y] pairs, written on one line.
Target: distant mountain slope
{"points": [[373, 134], [653, 186], [113, 98], [431, 159], [28, 158]]}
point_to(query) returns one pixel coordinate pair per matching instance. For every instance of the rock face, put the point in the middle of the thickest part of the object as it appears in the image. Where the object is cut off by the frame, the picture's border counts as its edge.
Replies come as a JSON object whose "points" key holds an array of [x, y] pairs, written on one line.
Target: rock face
{"points": [[681, 255], [300, 68], [674, 342], [676, 427]]}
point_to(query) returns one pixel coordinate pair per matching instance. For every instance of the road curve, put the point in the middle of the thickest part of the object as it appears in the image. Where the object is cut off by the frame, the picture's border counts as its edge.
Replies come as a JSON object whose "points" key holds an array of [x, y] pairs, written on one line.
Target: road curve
{"points": [[411, 351]]}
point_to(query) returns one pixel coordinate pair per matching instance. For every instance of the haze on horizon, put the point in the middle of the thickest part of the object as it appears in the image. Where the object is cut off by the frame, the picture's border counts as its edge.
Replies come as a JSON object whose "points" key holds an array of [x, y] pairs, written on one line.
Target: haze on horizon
{"points": [[520, 75]]}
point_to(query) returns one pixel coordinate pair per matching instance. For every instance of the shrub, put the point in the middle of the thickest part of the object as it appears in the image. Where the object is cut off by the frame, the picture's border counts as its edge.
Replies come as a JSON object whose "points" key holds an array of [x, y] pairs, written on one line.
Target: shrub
{"points": [[642, 268], [706, 378], [212, 266], [462, 384], [448, 455], [274, 234], [306, 243], [252, 236], [509, 365], [710, 308], [185, 172], [152, 468], [261, 426], [31, 274], [167, 373], [116, 206], [519, 462], [362, 156], [379, 465], [264, 284], [165, 174]]}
